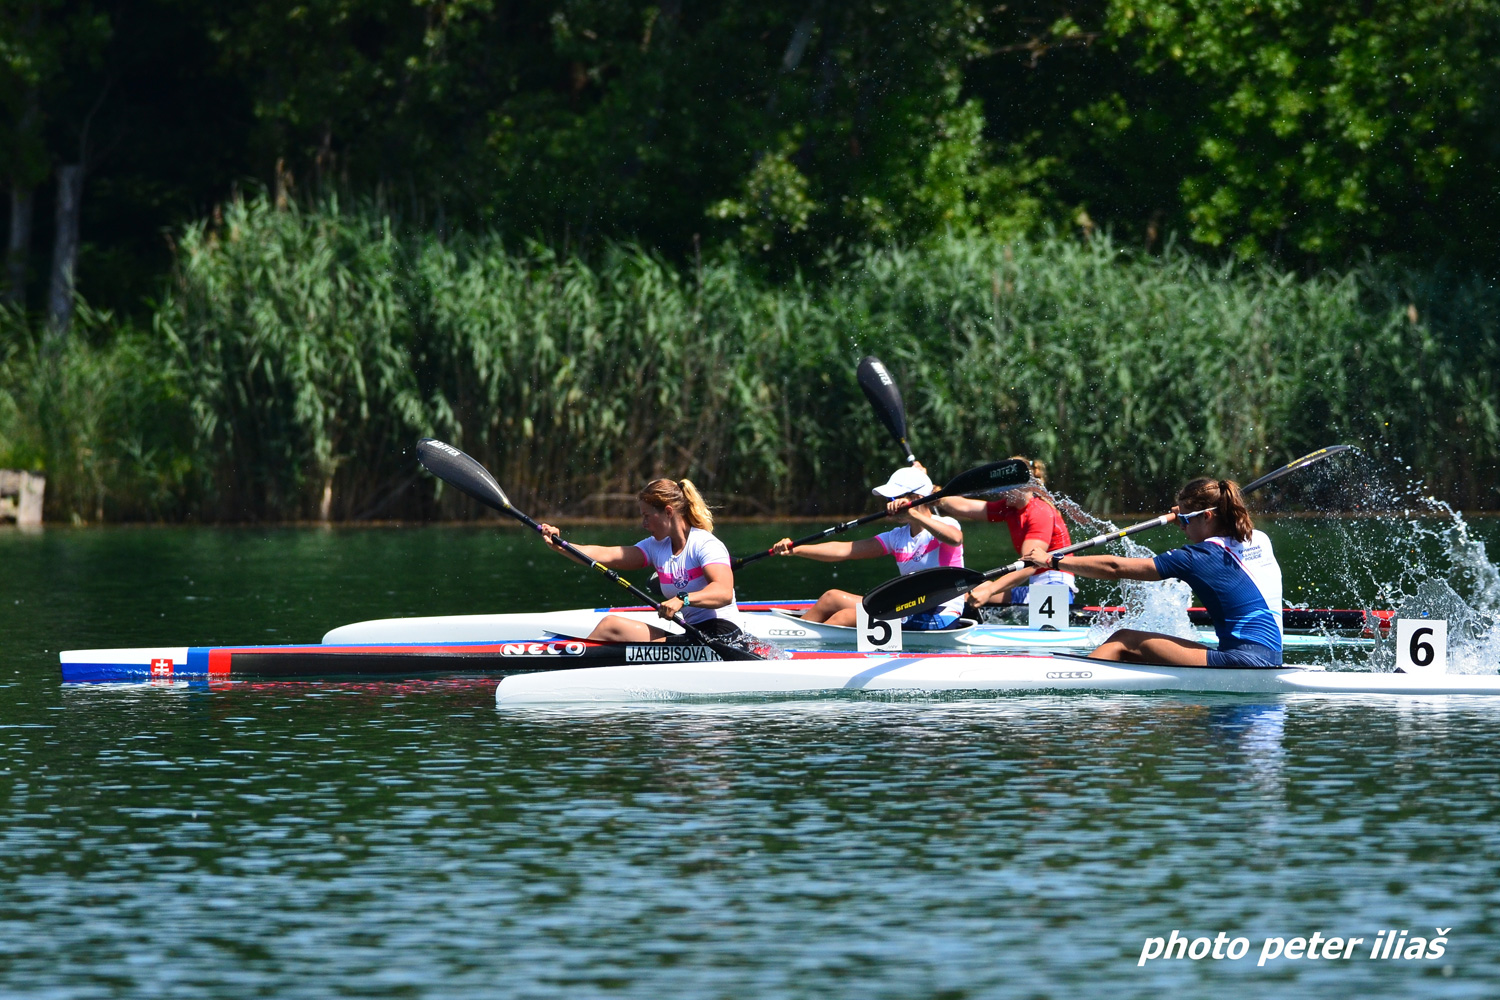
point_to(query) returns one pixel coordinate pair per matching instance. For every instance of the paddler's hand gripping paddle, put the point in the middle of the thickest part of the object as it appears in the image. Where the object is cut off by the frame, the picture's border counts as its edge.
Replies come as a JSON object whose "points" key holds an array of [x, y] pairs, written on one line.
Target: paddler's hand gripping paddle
{"points": [[923, 591], [467, 476], [986, 480]]}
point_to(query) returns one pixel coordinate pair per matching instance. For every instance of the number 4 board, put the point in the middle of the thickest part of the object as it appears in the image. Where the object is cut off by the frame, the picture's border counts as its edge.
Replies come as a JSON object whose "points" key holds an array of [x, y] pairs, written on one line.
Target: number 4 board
{"points": [[1047, 604]]}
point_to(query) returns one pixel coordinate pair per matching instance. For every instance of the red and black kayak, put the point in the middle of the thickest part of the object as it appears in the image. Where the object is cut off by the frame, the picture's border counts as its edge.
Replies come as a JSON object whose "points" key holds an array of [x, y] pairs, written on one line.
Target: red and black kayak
{"points": [[225, 663]]}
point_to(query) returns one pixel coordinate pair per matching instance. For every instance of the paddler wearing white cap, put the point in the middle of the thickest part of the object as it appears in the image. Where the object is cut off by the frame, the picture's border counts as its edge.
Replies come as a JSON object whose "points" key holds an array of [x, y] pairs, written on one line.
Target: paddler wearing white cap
{"points": [[923, 540]]}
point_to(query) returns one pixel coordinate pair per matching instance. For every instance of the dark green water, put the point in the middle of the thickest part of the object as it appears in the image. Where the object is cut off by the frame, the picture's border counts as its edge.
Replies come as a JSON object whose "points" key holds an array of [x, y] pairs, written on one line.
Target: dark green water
{"points": [[408, 840]]}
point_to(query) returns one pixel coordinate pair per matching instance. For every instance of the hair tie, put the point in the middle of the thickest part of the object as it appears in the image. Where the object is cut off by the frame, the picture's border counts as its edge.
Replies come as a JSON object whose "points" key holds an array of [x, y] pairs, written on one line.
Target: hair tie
{"points": [[1224, 486]]}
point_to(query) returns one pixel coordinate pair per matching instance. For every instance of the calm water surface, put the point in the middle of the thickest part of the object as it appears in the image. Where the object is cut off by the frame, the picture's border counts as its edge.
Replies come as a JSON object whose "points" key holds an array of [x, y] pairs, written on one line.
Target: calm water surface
{"points": [[408, 840]]}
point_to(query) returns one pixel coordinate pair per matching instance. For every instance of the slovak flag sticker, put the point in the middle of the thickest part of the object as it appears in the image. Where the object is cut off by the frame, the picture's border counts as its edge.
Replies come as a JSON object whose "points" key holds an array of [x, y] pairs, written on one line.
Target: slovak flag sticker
{"points": [[161, 667]]}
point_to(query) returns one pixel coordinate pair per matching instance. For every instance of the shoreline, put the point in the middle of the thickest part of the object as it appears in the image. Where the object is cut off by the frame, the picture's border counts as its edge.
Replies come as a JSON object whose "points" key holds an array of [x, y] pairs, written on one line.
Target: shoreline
{"points": [[736, 519]]}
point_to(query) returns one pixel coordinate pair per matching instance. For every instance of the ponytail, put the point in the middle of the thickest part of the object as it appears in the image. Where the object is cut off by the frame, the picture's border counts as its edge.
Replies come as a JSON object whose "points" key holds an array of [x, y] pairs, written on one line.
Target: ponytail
{"points": [[1037, 467], [1222, 496], [696, 512], [679, 495]]}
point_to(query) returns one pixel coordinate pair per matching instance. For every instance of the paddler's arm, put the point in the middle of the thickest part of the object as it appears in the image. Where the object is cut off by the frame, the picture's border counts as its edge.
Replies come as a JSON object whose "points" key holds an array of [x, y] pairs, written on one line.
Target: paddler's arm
{"points": [[980, 595], [1096, 567], [948, 534], [965, 508], [613, 556], [717, 594], [865, 548]]}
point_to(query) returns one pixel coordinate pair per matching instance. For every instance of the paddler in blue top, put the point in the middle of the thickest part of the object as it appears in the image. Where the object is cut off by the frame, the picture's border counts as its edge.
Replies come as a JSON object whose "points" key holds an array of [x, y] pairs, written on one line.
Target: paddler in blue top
{"points": [[1229, 565]]}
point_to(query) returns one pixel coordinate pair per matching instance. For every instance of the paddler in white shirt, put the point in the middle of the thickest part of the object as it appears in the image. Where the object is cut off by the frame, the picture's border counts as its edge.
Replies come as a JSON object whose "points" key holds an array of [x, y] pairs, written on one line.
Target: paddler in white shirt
{"points": [[923, 541], [692, 566]]}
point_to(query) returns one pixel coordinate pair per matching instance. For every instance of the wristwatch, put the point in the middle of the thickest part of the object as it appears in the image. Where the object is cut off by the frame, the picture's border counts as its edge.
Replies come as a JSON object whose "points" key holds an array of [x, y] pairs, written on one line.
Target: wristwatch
{"points": [[682, 596]]}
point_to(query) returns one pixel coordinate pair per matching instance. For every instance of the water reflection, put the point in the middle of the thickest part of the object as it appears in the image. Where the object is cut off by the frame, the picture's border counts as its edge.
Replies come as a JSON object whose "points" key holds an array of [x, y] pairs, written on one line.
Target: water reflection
{"points": [[407, 839]]}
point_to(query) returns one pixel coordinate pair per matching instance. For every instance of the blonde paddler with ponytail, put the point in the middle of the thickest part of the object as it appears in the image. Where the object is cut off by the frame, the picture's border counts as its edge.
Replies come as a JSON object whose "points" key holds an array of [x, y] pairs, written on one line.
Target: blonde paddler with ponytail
{"points": [[692, 566], [1227, 562]]}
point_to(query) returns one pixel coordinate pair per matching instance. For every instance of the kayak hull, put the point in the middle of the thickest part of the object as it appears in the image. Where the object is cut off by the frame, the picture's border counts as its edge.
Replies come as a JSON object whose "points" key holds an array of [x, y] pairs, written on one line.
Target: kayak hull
{"points": [[226, 663], [813, 674], [778, 622]]}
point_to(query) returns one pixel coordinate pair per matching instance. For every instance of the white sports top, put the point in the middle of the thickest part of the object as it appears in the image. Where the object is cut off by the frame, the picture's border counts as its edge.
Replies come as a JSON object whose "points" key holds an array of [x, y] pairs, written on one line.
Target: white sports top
{"points": [[923, 551], [684, 571]]}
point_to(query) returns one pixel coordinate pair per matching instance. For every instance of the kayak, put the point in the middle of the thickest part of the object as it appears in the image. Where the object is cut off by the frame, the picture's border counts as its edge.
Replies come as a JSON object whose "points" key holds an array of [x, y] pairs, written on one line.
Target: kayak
{"points": [[166, 664], [514, 643], [777, 621], [977, 635], [818, 674]]}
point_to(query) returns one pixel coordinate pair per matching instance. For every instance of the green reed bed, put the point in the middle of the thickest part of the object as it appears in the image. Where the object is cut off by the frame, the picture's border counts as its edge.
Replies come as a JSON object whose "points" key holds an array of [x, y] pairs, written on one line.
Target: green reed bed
{"points": [[305, 350], [104, 415]]}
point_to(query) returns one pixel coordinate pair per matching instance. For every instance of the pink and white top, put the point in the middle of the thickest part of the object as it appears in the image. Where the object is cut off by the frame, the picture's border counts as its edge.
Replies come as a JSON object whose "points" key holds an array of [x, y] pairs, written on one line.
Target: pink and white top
{"points": [[684, 571], [923, 551]]}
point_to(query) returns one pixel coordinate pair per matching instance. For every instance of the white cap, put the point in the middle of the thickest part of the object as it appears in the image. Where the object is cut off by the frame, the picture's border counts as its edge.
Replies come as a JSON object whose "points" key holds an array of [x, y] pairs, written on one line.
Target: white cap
{"points": [[904, 480]]}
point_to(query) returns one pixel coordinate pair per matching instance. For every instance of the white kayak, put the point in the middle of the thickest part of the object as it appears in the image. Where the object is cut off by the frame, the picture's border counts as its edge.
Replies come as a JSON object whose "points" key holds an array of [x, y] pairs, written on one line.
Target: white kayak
{"points": [[978, 636], [777, 623], [816, 674]]}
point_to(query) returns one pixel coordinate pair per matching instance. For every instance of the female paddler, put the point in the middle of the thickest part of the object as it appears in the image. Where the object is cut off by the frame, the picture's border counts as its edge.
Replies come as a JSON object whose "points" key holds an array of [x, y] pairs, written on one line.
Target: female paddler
{"points": [[692, 566], [1229, 565], [923, 541], [1036, 528]]}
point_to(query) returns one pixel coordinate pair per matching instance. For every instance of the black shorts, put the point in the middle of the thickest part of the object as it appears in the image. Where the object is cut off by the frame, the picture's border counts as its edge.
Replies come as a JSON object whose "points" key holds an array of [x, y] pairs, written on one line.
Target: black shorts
{"points": [[713, 628]]}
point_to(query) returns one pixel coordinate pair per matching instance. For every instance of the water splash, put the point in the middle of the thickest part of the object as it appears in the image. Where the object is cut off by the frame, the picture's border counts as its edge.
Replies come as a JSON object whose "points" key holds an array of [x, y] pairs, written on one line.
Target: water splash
{"points": [[1424, 562], [1379, 546], [1150, 607]]}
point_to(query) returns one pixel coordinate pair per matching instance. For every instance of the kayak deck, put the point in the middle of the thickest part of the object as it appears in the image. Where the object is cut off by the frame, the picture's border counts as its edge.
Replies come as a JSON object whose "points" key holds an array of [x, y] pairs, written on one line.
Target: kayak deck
{"points": [[779, 622]]}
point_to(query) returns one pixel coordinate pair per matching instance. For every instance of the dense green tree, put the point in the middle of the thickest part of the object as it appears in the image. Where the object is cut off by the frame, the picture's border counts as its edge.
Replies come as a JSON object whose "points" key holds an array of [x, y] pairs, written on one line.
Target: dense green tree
{"points": [[49, 54], [1303, 132], [785, 125], [1332, 125]]}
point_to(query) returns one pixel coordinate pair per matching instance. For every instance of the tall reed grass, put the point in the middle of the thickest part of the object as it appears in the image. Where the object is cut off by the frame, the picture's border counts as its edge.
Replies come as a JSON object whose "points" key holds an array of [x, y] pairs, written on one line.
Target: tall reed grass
{"points": [[104, 416], [311, 347]]}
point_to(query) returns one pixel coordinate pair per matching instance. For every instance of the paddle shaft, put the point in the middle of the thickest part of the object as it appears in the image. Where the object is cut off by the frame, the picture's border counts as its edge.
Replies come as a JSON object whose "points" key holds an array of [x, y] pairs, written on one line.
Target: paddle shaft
{"points": [[1108, 536], [836, 529], [578, 554], [991, 478], [929, 588], [1157, 522]]}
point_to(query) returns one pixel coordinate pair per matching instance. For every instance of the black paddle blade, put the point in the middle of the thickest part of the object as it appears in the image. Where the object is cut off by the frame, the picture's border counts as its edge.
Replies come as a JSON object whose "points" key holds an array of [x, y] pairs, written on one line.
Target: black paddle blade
{"points": [[990, 478], [880, 389], [461, 472], [920, 592]]}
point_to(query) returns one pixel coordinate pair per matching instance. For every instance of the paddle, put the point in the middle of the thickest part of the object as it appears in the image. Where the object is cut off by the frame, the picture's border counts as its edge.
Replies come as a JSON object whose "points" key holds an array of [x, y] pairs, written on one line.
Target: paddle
{"points": [[931, 588], [995, 477], [883, 394], [466, 475]]}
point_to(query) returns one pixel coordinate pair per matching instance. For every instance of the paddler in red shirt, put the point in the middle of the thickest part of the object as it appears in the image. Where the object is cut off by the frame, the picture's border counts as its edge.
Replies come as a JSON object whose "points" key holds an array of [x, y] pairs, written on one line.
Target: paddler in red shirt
{"points": [[1036, 528]]}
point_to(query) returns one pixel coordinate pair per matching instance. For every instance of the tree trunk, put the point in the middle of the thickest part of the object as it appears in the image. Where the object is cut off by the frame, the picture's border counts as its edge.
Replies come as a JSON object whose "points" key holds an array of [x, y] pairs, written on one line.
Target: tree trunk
{"points": [[64, 252], [22, 197]]}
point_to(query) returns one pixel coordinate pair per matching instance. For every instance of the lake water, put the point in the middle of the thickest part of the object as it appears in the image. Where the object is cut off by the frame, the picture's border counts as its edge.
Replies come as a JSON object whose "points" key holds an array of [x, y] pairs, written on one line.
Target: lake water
{"points": [[406, 839]]}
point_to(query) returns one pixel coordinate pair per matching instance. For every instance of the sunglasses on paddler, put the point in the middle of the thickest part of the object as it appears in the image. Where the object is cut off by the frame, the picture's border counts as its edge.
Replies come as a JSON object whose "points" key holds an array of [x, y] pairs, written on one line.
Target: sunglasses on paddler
{"points": [[1184, 518]]}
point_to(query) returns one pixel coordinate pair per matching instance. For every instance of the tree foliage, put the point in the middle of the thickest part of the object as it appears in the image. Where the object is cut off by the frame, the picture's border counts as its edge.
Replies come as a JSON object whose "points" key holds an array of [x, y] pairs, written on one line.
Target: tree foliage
{"points": [[1309, 133], [1332, 124]]}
